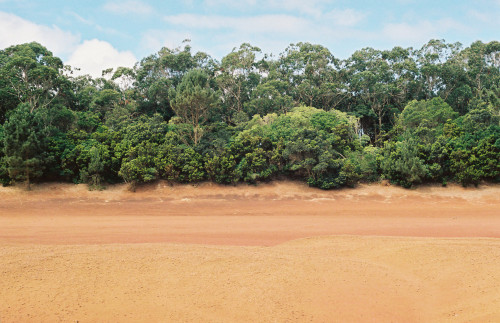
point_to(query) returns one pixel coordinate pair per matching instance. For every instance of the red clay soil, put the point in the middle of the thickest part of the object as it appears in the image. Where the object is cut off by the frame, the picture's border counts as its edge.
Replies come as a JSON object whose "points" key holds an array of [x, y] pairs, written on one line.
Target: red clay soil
{"points": [[265, 215], [279, 252]]}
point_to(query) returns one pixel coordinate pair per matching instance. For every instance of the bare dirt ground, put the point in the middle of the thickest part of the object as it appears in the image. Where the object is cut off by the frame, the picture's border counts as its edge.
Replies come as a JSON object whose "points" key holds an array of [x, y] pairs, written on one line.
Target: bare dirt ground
{"points": [[270, 253]]}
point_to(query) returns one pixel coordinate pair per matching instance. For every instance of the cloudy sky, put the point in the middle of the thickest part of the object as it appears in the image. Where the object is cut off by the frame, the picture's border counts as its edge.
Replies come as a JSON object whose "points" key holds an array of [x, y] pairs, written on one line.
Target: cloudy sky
{"points": [[94, 35]]}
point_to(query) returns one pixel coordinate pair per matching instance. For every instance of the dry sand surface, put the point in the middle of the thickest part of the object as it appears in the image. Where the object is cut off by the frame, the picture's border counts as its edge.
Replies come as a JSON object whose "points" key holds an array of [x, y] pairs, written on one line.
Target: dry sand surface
{"points": [[279, 252]]}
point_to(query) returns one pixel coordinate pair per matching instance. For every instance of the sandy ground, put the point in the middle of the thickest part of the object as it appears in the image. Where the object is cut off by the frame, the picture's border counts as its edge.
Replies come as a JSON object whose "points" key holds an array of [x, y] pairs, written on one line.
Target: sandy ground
{"points": [[278, 252]]}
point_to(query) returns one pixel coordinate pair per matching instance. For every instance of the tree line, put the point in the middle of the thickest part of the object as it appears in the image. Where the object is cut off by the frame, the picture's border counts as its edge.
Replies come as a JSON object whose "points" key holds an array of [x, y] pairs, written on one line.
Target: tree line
{"points": [[407, 115]]}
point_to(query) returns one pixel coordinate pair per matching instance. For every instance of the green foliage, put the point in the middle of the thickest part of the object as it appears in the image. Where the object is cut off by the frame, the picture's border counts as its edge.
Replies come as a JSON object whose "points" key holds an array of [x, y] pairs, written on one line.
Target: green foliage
{"points": [[269, 97], [104, 101], [401, 163], [475, 158], [409, 115], [192, 100], [480, 117], [31, 75], [139, 165], [156, 74], [362, 165], [25, 143], [178, 162], [95, 169], [258, 165], [222, 168], [314, 143], [238, 77], [79, 158], [248, 158], [4, 174], [259, 158], [431, 113]]}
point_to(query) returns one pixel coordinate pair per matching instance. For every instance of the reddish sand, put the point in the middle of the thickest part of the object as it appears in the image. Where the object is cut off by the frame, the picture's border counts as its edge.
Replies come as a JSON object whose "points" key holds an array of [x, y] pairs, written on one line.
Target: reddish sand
{"points": [[268, 253]]}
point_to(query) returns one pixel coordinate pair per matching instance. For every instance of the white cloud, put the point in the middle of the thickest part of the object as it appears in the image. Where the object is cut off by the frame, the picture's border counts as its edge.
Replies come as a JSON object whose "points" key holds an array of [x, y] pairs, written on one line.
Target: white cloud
{"points": [[230, 3], [93, 56], [93, 24], [485, 17], [271, 32], [346, 17], [422, 31], [128, 7], [154, 40], [16, 30], [255, 24], [310, 7], [406, 32]]}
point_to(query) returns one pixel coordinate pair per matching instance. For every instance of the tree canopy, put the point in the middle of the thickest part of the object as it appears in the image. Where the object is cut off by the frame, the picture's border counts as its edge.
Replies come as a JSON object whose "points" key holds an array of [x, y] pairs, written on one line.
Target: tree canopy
{"points": [[411, 116]]}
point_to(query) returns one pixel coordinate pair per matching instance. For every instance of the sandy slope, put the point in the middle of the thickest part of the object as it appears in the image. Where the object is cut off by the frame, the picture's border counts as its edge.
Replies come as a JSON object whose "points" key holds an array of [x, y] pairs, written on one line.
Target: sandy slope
{"points": [[272, 253]]}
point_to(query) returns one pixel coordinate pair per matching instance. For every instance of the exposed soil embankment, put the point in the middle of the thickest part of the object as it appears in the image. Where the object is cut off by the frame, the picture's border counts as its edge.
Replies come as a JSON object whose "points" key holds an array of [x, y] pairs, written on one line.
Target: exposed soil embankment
{"points": [[265, 215]]}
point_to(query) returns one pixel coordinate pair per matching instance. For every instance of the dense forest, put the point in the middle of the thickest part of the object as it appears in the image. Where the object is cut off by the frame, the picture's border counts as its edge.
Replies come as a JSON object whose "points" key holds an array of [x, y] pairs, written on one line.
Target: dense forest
{"points": [[406, 115]]}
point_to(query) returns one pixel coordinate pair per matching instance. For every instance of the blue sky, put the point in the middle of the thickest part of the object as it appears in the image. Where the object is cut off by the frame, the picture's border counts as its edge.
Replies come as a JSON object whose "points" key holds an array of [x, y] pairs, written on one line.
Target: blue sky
{"points": [[94, 35]]}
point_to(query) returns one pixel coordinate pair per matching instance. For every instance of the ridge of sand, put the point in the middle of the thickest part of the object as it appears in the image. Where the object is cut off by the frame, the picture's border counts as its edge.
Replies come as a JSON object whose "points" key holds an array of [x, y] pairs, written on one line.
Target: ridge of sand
{"points": [[265, 215], [284, 189]]}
